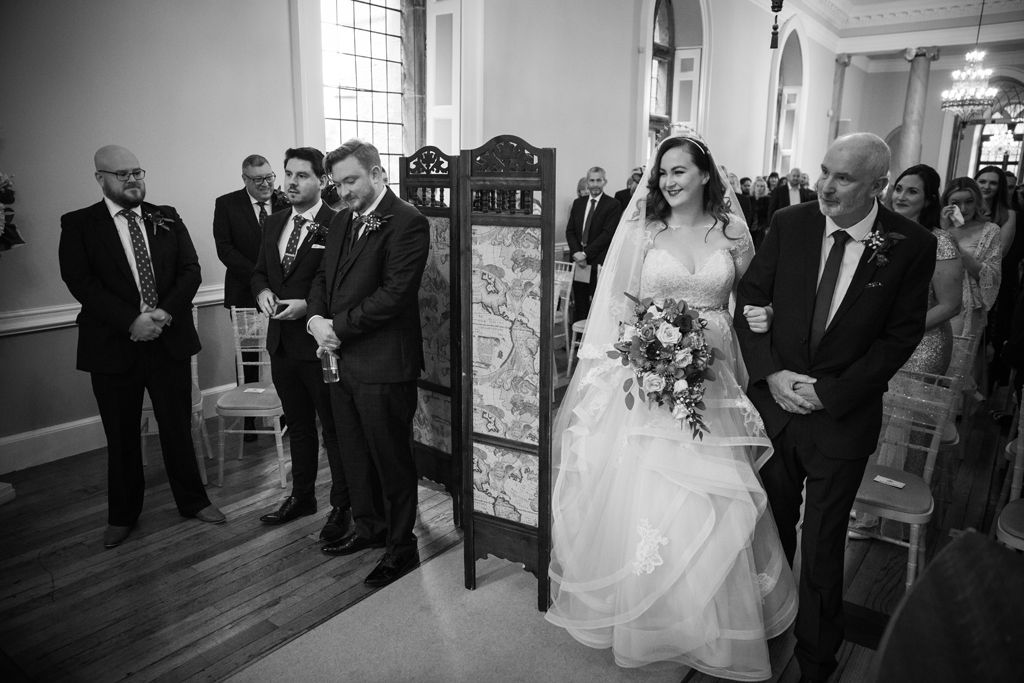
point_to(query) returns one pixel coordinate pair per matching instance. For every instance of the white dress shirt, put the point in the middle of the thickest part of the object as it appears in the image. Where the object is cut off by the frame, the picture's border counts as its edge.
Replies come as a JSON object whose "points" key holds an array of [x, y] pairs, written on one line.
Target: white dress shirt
{"points": [[282, 241], [851, 255], [256, 206], [121, 223], [794, 195]]}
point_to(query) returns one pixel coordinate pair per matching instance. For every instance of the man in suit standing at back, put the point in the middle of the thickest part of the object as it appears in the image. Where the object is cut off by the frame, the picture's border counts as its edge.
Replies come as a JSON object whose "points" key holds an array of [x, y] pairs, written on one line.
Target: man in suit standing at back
{"points": [[592, 223], [238, 220], [790, 193], [132, 266], [848, 280], [294, 241], [364, 307]]}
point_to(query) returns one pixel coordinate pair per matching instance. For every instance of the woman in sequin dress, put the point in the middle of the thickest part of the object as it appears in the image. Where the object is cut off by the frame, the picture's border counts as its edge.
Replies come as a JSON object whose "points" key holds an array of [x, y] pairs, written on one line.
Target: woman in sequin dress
{"points": [[916, 196]]}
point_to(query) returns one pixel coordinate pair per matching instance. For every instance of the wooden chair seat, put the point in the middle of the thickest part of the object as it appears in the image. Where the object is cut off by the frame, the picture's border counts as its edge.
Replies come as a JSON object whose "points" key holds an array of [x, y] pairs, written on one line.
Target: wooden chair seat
{"points": [[1010, 526], [912, 504]]}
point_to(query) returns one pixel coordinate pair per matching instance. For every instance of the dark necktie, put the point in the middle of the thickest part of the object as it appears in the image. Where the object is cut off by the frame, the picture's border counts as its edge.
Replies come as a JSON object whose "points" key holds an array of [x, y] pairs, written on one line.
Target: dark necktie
{"points": [[827, 287], [353, 236], [143, 264], [293, 244], [263, 213], [589, 221]]}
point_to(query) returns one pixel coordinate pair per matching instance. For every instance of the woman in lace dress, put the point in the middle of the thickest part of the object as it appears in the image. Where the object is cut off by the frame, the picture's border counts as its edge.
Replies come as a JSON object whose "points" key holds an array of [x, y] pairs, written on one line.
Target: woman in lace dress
{"points": [[980, 252], [664, 548]]}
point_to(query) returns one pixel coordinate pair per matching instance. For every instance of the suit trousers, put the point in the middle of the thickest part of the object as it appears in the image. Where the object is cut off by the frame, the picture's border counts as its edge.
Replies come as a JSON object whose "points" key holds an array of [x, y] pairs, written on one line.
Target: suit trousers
{"points": [[582, 294], [832, 485], [374, 423], [119, 397], [304, 396]]}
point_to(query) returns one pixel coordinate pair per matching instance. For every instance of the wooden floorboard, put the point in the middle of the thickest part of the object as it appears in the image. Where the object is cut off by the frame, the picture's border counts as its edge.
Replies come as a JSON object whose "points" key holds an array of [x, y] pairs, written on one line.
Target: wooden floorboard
{"points": [[179, 600]]}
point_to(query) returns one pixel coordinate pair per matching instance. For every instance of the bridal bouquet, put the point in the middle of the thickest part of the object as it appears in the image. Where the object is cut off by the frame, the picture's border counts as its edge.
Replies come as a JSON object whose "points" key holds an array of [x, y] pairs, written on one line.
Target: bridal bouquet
{"points": [[670, 359]]}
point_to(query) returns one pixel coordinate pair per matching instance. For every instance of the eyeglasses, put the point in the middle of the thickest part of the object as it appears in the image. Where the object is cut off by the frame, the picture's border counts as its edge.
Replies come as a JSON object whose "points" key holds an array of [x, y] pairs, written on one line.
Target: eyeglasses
{"points": [[123, 176], [261, 179]]}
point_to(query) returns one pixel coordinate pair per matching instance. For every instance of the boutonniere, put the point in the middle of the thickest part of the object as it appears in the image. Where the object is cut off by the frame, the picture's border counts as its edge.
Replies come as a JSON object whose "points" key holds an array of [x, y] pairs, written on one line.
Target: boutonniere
{"points": [[372, 222], [157, 221], [880, 243], [317, 232]]}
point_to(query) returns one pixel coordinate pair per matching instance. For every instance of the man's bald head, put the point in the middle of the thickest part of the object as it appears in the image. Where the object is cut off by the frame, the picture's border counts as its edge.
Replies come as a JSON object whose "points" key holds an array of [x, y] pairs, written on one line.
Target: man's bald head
{"points": [[110, 160], [854, 171]]}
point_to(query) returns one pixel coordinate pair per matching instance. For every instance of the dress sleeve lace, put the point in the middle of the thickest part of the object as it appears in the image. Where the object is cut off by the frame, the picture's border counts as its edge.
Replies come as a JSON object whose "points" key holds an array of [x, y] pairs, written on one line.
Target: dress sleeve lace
{"points": [[742, 250], [989, 254]]}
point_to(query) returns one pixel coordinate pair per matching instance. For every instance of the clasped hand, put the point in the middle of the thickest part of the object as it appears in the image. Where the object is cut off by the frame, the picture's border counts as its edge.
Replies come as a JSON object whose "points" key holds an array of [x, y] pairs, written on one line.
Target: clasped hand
{"points": [[149, 324], [270, 305], [323, 332], [794, 392]]}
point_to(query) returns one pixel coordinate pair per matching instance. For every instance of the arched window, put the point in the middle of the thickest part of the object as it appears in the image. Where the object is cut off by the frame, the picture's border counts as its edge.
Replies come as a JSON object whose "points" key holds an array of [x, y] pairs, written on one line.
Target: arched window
{"points": [[662, 53], [1001, 142]]}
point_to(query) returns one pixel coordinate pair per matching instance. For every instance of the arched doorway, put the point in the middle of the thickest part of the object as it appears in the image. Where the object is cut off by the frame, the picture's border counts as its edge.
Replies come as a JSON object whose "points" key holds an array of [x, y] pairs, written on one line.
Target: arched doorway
{"points": [[786, 131]]}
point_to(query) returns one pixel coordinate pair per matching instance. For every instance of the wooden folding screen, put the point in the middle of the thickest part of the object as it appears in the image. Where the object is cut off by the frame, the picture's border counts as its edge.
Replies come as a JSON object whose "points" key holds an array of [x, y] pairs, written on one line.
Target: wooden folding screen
{"points": [[429, 179], [506, 195]]}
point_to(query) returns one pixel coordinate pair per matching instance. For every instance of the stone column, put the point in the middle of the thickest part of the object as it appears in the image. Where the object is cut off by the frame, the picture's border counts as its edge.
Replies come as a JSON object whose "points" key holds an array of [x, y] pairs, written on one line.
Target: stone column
{"points": [[913, 110], [838, 80]]}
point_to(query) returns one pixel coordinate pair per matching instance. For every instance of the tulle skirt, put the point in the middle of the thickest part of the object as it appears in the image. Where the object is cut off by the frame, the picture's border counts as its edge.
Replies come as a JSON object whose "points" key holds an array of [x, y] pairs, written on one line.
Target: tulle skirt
{"points": [[664, 547]]}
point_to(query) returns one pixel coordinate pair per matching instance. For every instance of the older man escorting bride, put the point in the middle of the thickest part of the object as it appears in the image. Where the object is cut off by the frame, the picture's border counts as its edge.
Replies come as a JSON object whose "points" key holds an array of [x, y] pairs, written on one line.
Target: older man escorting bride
{"points": [[664, 545]]}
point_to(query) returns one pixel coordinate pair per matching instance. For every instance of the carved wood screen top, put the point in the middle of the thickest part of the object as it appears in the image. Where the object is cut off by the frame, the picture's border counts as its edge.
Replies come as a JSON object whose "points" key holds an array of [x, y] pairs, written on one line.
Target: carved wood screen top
{"points": [[506, 156]]}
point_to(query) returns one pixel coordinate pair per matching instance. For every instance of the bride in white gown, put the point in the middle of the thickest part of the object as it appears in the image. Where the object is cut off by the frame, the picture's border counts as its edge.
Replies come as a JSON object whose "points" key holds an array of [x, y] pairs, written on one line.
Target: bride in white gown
{"points": [[664, 547]]}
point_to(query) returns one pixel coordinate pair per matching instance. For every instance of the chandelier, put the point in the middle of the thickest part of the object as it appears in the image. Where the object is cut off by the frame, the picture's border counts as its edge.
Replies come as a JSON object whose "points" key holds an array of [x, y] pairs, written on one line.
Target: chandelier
{"points": [[970, 93]]}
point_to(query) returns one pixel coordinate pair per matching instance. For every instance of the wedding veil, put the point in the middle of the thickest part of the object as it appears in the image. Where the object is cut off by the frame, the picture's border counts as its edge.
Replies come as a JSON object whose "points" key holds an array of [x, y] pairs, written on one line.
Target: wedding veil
{"points": [[621, 274]]}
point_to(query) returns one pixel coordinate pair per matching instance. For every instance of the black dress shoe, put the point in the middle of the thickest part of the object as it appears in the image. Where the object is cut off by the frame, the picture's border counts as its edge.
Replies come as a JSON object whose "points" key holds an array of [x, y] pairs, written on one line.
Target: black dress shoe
{"points": [[391, 568], [352, 543], [290, 509], [339, 525]]}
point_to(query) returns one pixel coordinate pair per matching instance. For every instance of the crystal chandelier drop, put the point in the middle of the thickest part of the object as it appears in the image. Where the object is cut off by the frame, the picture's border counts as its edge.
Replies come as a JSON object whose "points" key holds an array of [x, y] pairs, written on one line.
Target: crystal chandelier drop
{"points": [[970, 93]]}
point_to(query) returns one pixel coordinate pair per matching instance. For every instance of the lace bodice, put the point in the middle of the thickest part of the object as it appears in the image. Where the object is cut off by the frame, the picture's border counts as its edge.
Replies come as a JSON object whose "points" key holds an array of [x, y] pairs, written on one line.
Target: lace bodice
{"points": [[706, 288]]}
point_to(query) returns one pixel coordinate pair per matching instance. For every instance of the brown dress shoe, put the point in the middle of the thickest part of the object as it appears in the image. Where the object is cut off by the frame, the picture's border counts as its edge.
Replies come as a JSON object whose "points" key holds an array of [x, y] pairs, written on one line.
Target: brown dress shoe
{"points": [[115, 535], [211, 515]]}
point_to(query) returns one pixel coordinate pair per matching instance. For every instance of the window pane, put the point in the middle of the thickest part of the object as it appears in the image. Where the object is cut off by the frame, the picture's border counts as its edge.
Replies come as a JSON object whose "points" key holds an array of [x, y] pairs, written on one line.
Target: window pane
{"points": [[662, 25], [378, 44], [380, 106], [347, 104], [394, 107], [394, 22], [394, 52], [363, 72], [394, 83], [332, 69], [345, 12], [362, 43], [333, 137], [395, 139], [365, 130], [380, 73], [346, 40], [361, 18], [346, 70], [331, 103], [380, 137], [377, 20], [329, 36], [365, 101], [349, 130], [328, 15]]}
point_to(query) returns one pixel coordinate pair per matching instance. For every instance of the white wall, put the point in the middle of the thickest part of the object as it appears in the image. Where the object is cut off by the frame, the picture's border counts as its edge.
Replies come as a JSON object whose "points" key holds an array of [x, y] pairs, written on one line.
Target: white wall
{"points": [[192, 87]]}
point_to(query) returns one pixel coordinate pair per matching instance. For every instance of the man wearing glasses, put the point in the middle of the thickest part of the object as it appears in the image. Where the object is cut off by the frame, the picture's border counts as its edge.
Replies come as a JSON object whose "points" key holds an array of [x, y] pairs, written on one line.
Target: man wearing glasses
{"points": [[238, 219], [132, 266]]}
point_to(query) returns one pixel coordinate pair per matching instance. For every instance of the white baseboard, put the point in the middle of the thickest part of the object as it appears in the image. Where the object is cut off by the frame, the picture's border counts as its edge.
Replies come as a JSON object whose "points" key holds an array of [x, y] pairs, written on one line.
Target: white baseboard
{"points": [[39, 446]]}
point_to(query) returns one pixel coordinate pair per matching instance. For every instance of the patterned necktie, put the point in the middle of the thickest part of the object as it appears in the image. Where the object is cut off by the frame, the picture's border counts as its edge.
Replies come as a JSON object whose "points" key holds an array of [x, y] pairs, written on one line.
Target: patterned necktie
{"points": [[357, 226], [827, 287], [263, 213], [293, 244], [589, 221], [143, 264]]}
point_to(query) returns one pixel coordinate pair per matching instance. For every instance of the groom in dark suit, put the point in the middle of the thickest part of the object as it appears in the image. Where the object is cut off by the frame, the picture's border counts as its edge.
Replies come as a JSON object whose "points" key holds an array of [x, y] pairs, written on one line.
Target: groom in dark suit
{"points": [[848, 281], [364, 308], [132, 266], [592, 223], [293, 245]]}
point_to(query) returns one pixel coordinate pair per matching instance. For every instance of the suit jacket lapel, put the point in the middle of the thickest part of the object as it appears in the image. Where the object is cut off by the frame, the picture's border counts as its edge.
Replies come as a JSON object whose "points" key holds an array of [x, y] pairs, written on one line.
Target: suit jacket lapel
{"points": [[812, 262], [271, 237], [335, 259], [349, 257]]}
